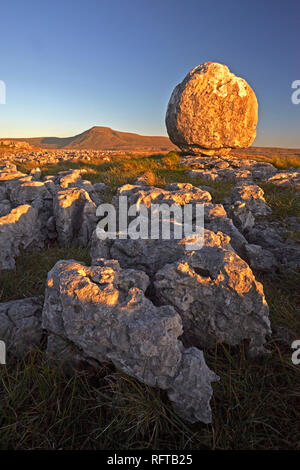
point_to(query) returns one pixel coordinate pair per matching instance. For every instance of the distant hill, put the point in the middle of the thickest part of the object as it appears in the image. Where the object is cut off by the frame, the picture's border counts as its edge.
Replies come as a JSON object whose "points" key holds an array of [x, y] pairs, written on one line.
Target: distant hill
{"points": [[103, 138], [268, 153]]}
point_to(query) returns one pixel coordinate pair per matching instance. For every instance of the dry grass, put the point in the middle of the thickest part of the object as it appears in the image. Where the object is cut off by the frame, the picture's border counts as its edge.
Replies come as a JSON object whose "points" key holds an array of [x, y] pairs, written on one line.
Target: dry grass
{"points": [[255, 405], [288, 162], [160, 169], [284, 202], [279, 157], [28, 279]]}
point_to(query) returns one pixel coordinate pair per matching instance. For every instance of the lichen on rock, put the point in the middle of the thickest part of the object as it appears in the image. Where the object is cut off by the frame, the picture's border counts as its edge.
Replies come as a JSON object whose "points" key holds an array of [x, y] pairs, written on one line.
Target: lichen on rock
{"points": [[103, 312], [212, 111]]}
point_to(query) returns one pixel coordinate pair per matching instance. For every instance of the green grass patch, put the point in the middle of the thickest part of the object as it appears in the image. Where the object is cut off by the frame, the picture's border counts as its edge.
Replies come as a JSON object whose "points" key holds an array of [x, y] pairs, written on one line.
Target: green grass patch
{"points": [[284, 202], [283, 295], [28, 279], [255, 405], [281, 161], [162, 169], [285, 163]]}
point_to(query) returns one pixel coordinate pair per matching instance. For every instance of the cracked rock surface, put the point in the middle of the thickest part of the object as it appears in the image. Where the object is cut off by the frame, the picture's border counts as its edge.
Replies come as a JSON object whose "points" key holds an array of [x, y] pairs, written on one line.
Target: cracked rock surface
{"points": [[21, 324], [75, 216], [227, 168], [154, 253], [175, 193], [216, 295], [286, 179], [34, 212], [103, 312], [212, 111], [247, 202], [212, 288], [20, 229]]}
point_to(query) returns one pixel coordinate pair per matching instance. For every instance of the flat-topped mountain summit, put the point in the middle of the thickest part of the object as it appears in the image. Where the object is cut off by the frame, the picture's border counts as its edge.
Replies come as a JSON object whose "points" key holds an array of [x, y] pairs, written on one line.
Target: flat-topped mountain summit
{"points": [[103, 138]]}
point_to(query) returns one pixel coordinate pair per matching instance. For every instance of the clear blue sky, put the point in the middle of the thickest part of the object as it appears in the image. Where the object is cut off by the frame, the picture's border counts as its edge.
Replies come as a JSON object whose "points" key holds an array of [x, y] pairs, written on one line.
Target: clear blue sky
{"points": [[71, 64]]}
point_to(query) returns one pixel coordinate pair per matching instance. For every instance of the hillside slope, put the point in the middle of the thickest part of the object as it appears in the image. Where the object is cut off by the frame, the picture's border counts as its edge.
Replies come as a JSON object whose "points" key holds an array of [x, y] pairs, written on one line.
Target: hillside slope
{"points": [[103, 138]]}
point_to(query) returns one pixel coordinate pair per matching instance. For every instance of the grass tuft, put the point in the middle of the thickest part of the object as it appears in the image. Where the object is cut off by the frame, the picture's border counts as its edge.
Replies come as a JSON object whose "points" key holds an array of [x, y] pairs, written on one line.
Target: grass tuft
{"points": [[255, 405], [28, 279], [284, 202]]}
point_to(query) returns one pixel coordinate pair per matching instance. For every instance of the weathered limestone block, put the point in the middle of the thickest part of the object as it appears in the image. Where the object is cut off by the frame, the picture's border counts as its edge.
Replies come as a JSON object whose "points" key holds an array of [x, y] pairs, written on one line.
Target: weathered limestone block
{"points": [[75, 215], [9, 177], [146, 255], [175, 193], [216, 220], [5, 207], [228, 174], [253, 197], [21, 228], [247, 202], [260, 258], [36, 174], [152, 254], [73, 179], [286, 179], [103, 312], [217, 296], [21, 324], [26, 193], [227, 168]]}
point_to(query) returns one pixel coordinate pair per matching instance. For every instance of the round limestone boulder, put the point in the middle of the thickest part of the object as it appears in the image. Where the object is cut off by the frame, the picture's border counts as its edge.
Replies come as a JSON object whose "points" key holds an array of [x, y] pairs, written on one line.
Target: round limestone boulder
{"points": [[212, 111]]}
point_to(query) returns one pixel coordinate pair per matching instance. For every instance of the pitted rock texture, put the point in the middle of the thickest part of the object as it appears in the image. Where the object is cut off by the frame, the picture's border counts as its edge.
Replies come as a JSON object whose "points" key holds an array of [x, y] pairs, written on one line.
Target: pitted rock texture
{"points": [[176, 201], [27, 192], [103, 312], [232, 175], [247, 202], [73, 179], [227, 168], [212, 111], [20, 229], [75, 216], [63, 208], [215, 219], [151, 254], [274, 239], [253, 198], [21, 324], [216, 295], [287, 179], [260, 258], [212, 288], [175, 193], [146, 255]]}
